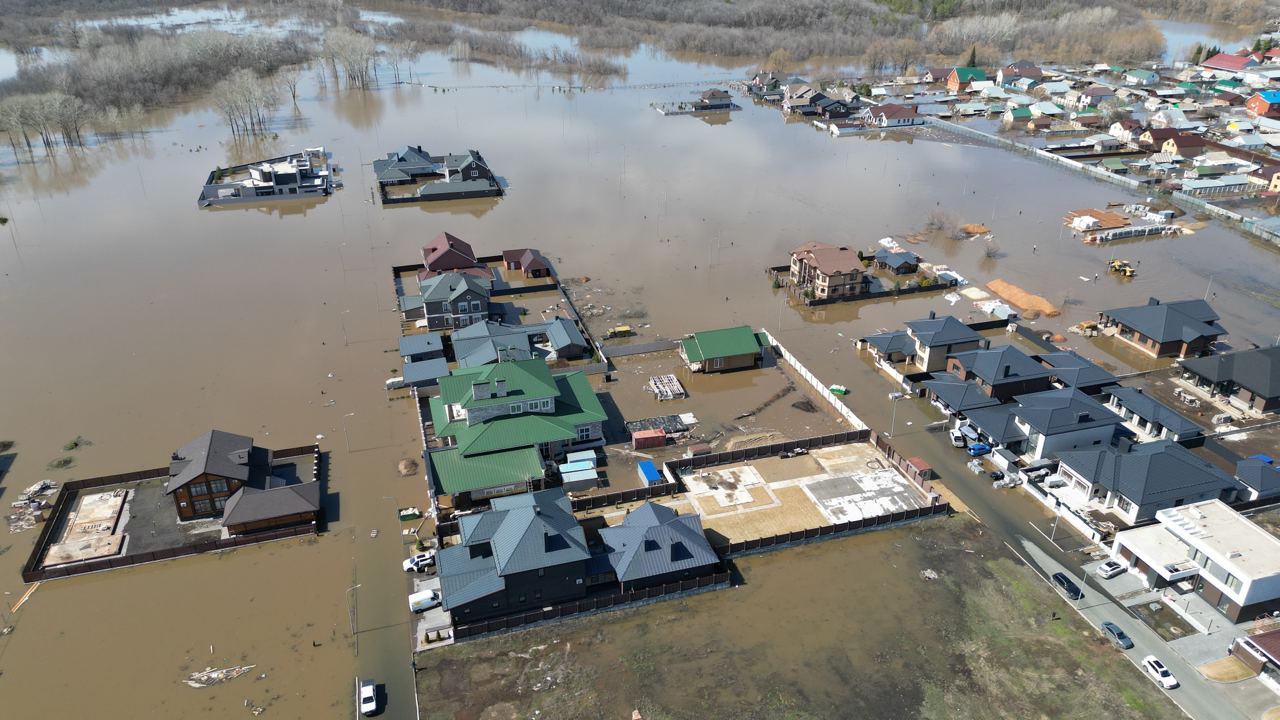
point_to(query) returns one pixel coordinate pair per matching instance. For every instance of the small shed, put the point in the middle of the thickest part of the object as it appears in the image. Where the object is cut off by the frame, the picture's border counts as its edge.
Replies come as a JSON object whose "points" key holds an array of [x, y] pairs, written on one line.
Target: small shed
{"points": [[573, 467], [582, 456], [645, 439], [581, 480], [649, 472]]}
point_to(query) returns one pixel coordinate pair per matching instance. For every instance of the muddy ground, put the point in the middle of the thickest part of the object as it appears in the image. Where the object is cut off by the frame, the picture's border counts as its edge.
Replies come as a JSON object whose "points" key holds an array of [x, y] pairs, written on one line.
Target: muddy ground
{"points": [[846, 628]]}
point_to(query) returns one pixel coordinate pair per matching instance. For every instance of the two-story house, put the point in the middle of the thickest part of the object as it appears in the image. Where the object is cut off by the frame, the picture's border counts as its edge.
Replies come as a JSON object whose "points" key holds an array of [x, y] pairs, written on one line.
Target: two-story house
{"points": [[448, 301], [829, 271], [1043, 424], [1227, 559], [527, 552], [937, 337], [448, 253], [501, 423]]}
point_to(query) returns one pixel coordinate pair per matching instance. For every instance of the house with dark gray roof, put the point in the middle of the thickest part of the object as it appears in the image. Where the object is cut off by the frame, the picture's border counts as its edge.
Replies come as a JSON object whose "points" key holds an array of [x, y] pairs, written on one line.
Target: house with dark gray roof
{"points": [[901, 262], [224, 475], [1070, 369], [1000, 372], [527, 260], [1182, 328], [438, 177], [894, 346], [937, 337], [422, 346], [1150, 417], [1260, 477], [1040, 425], [1149, 477], [1248, 379], [655, 545], [448, 301], [527, 552], [957, 397]]}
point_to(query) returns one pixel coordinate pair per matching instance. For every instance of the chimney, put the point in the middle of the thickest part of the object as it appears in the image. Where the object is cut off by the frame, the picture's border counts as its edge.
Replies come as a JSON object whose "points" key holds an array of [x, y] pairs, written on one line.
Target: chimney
{"points": [[1083, 417], [1006, 371], [933, 315], [480, 390], [499, 388], [986, 344], [1153, 301]]}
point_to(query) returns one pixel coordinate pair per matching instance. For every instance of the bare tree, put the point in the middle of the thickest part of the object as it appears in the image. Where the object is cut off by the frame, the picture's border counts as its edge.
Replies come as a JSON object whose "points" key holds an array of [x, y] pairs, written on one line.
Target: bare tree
{"points": [[289, 76]]}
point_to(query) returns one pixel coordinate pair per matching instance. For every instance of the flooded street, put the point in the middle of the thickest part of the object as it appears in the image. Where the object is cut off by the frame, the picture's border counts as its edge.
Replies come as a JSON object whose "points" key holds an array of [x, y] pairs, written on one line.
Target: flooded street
{"points": [[135, 319]]}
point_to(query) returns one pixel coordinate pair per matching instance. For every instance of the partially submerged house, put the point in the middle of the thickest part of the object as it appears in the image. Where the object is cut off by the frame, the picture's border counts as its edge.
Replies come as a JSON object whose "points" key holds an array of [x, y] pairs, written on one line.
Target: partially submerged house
{"points": [[1214, 551], [1182, 328], [1134, 485], [304, 175], [223, 475], [1043, 424], [829, 271], [1070, 369], [448, 301], [937, 337], [527, 552], [960, 78], [898, 262], [713, 100], [655, 545], [735, 348], [502, 423], [1248, 379], [529, 261], [449, 253], [489, 342], [889, 115], [438, 177]]}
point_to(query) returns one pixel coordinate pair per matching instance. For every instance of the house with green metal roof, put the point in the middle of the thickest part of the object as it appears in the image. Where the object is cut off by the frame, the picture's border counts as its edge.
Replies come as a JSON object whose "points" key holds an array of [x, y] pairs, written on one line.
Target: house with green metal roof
{"points": [[722, 350], [961, 77], [503, 422]]}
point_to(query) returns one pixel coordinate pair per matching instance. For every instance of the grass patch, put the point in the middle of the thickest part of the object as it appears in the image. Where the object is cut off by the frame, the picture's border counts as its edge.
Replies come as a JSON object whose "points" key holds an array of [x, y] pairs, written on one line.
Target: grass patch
{"points": [[62, 463], [75, 444]]}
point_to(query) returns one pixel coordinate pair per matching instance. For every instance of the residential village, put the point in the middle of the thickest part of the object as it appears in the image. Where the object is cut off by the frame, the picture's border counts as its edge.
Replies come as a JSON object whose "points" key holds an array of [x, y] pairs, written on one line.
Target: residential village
{"points": [[570, 467]]}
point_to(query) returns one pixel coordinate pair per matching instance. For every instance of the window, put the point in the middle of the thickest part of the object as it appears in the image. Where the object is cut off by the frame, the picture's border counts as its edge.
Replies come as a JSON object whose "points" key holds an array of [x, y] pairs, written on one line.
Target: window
{"points": [[1124, 504], [717, 363], [198, 489], [475, 306], [1234, 583], [219, 503], [518, 408], [1198, 557], [218, 486], [444, 307], [203, 506], [542, 572], [584, 432]]}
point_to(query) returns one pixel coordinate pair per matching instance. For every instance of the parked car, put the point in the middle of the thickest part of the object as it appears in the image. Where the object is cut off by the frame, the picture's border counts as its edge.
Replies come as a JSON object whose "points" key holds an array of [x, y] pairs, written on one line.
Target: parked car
{"points": [[957, 439], [419, 562], [1116, 635], [367, 697], [1159, 672], [1110, 569], [979, 449], [1070, 588], [996, 475], [424, 601]]}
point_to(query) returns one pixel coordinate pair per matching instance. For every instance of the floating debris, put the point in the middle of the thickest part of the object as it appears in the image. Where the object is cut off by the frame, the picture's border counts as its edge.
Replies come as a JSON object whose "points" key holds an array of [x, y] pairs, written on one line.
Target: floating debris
{"points": [[212, 676]]}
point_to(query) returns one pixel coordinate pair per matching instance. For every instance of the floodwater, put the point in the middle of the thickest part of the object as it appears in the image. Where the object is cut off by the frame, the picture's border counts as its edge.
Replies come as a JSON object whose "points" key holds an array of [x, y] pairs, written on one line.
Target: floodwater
{"points": [[136, 320], [1180, 37]]}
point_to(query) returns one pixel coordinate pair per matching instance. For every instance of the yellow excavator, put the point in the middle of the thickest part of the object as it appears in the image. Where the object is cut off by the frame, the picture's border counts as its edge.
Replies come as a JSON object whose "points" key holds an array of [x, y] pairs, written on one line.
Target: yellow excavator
{"points": [[1123, 267]]}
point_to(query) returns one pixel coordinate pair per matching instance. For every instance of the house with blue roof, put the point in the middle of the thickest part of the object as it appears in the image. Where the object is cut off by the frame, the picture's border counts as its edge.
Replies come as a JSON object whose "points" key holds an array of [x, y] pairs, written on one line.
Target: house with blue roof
{"points": [[1264, 104], [527, 552]]}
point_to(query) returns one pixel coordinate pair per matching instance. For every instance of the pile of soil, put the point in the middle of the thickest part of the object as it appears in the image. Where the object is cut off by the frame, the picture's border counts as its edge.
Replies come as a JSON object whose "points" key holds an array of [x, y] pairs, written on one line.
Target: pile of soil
{"points": [[1023, 300], [974, 229]]}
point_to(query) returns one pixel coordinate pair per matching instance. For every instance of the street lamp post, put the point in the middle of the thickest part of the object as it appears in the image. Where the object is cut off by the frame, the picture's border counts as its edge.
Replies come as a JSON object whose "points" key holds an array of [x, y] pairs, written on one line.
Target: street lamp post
{"points": [[351, 615], [894, 397]]}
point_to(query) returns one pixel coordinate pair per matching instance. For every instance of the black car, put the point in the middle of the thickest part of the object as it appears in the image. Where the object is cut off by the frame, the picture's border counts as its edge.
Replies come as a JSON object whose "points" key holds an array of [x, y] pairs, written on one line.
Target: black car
{"points": [[1116, 635], [1068, 587]]}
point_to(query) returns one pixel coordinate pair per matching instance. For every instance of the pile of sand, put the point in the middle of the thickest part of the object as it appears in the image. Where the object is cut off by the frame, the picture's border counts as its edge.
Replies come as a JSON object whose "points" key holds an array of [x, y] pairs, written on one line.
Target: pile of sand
{"points": [[1023, 300], [974, 229]]}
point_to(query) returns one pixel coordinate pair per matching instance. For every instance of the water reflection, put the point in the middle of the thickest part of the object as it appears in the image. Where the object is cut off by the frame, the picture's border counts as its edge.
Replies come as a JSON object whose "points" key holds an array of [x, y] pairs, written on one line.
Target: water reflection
{"points": [[723, 118]]}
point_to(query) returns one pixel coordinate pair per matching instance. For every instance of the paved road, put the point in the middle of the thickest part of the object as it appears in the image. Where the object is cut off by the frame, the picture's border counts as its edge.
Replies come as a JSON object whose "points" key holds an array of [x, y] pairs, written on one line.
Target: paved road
{"points": [[1197, 697], [1022, 523]]}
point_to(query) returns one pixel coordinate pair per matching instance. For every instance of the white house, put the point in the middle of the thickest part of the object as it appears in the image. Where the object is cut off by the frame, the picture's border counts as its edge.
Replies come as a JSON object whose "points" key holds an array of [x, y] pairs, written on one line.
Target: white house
{"points": [[1226, 559], [1048, 423]]}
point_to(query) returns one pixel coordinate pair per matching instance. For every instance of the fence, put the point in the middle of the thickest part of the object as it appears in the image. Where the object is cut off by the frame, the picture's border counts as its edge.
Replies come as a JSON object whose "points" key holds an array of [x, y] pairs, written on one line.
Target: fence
{"points": [[617, 351], [648, 492], [913, 468], [841, 409], [1034, 337], [680, 465], [830, 531], [587, 605], [895, 292], [501, 292], [31, 570]]}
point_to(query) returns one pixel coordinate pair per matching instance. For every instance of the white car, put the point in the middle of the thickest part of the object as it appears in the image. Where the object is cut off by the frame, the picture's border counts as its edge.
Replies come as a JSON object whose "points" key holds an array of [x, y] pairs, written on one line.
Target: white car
{"points": [[419, 562], [1159, 672], [368, 697], [1110, 569]]}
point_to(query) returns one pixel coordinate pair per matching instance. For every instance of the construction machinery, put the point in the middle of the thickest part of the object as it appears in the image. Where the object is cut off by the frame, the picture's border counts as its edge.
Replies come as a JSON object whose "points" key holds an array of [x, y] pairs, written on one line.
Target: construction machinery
{"points": [[1123, 267]]}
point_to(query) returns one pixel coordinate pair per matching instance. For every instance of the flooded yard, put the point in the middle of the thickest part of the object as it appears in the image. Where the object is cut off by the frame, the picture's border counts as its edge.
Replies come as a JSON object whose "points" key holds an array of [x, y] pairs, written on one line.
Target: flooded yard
{"points": [[133, 317], [846, 628]]}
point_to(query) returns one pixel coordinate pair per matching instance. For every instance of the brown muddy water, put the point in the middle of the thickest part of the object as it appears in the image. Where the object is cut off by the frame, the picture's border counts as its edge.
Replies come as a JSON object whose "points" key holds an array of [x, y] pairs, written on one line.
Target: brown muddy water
{"points": [[132, 318], [852, 628]]}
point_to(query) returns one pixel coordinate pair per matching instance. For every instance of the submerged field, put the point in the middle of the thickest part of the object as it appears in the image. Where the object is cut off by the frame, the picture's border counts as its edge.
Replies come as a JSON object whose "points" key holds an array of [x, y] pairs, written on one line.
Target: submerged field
{"points": [[846, 628]]}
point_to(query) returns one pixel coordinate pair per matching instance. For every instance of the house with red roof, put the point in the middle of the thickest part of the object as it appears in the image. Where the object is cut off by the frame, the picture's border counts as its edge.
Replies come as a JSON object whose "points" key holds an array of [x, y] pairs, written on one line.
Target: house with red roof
{"points": [[1228, 63]]}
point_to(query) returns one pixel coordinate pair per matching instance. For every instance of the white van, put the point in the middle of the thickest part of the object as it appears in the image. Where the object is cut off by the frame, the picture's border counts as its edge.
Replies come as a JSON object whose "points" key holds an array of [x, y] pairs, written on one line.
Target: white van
{"points": [[424, 601], [395, 383]]}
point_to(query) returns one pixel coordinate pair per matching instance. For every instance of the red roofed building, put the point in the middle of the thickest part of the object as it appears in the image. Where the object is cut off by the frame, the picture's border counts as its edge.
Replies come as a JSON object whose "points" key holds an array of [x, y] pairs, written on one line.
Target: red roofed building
{"points": [[1229, 63], [447, 252], [890, 115]]}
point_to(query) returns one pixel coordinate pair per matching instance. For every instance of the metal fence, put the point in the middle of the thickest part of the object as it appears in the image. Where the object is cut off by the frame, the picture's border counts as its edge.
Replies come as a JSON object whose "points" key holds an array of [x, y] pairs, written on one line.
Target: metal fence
{"points": [[31, 570], [545, 287], [648, 492], [586, 605], [893, 292], [831, 531]]}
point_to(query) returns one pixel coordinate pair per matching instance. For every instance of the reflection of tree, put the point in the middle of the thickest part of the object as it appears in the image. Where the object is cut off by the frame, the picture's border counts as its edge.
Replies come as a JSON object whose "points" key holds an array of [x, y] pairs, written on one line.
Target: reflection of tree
{"points": [[360, 109], [720, 118]]}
